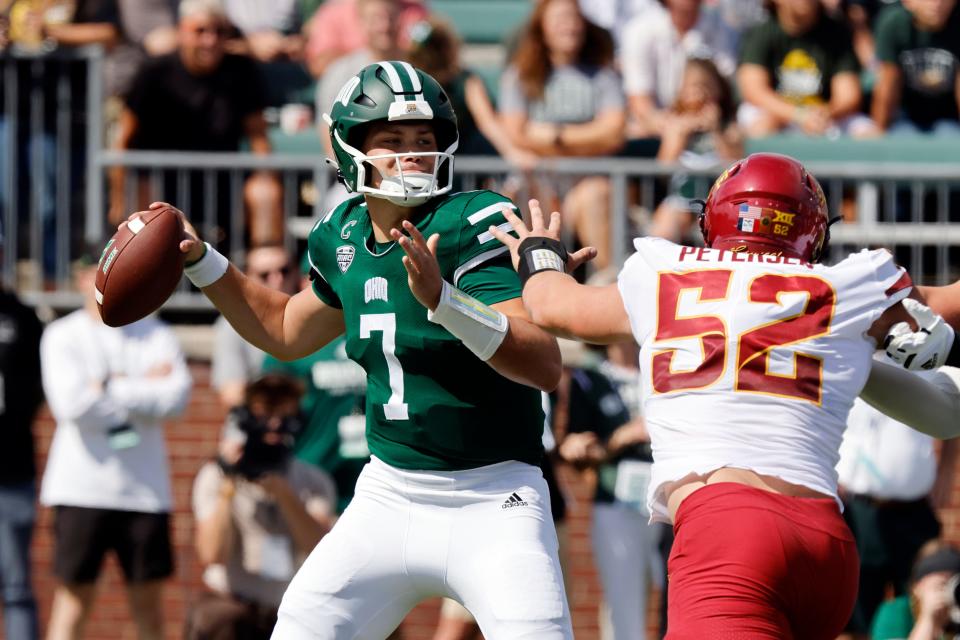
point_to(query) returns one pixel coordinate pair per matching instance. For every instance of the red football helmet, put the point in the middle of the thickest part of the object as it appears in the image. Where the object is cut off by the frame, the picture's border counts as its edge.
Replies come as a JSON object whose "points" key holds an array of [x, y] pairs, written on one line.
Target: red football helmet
{"points": [[767, 203]]}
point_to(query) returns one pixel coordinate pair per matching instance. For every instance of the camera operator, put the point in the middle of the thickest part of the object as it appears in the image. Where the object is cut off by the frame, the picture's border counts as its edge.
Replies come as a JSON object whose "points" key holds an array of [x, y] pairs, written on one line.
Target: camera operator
{"points": [[259, 512], [931, 610]]}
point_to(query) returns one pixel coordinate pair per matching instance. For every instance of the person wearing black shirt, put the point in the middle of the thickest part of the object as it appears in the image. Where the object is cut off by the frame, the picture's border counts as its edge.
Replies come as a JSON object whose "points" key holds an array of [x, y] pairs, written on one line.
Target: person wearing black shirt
{"points": [[20, 397], [200, 98]]}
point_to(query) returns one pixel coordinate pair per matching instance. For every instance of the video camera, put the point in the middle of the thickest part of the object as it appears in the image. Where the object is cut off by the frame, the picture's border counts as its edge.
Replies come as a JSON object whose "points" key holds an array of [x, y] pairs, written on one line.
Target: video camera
{"points": [[267, 448]]}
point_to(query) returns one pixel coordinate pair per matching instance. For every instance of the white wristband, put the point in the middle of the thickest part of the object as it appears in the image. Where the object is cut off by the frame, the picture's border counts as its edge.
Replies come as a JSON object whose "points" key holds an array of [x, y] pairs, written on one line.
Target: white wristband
{"points": [[479, 327], [208, 269]]}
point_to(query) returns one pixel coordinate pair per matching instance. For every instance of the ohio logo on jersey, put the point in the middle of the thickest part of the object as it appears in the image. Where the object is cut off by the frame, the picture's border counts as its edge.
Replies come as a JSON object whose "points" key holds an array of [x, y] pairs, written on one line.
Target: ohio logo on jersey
{"points": [[345, 255]]}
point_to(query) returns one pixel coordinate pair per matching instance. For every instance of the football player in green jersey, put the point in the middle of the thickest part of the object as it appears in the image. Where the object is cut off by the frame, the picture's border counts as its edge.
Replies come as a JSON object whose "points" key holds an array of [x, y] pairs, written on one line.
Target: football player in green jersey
{"points": [[452, 503]]}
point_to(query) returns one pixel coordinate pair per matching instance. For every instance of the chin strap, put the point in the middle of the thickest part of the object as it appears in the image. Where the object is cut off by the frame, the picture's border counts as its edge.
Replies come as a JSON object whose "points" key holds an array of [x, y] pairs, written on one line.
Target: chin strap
{"points": [[826, 238], [340, 177]]}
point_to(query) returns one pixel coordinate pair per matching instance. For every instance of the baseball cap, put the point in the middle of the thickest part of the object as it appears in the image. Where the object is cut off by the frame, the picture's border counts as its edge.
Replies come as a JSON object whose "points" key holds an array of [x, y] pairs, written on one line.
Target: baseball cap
{"points": [[946, 558]]}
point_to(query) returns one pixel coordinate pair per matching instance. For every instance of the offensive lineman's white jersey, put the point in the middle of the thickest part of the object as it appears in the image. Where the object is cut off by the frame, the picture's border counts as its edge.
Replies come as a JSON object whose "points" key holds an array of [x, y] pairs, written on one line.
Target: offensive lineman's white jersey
{"points": [[751, 361]]}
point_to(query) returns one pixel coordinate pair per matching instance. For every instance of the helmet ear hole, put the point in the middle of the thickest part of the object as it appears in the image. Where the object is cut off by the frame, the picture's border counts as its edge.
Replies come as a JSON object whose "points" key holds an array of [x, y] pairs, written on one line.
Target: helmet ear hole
{"points": [[365, 100]]}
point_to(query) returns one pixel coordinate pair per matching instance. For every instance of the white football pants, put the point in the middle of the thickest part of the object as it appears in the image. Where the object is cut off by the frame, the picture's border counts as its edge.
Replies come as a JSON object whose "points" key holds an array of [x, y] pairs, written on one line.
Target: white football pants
{"points": [[483, 537]]}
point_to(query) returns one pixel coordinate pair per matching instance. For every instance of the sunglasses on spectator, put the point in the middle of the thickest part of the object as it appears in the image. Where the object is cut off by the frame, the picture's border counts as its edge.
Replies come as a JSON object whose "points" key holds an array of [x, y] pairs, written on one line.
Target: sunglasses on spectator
{"points": [[284, 271]]}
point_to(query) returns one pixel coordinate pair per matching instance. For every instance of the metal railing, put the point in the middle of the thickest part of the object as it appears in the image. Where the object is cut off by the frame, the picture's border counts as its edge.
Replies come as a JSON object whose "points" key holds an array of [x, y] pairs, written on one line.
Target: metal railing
{"points": [[903, 206], [50, 125]]}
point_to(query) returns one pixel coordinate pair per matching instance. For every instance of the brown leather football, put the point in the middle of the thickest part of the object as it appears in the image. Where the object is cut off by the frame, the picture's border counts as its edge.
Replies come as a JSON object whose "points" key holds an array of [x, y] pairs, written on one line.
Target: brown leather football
{"points": [[140, 267]]}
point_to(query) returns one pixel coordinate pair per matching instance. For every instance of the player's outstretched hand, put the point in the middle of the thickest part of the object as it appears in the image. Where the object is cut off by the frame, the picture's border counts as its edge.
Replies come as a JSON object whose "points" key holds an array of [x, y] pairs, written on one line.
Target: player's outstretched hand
{"points": [[423, 270], [190, 245], [552, 231], [923, 349]]}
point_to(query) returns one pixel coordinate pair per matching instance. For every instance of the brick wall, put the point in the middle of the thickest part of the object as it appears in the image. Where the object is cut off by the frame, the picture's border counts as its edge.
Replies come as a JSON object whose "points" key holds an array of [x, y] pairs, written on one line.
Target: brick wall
{"points": [[193, 439]]}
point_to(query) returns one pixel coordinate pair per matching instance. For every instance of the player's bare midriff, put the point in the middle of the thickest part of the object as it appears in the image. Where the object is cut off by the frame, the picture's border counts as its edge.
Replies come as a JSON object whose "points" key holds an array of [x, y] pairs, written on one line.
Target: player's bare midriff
{"points": [[678, 491]]}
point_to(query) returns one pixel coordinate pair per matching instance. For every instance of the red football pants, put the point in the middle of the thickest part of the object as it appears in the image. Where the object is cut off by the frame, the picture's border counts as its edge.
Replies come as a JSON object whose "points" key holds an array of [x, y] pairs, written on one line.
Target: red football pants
{"points": [[749, 564]]}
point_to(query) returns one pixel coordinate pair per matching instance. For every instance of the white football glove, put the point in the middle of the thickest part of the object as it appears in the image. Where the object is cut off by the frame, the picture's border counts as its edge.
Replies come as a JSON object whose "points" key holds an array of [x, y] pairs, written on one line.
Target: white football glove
{"points": [[924, 349]]}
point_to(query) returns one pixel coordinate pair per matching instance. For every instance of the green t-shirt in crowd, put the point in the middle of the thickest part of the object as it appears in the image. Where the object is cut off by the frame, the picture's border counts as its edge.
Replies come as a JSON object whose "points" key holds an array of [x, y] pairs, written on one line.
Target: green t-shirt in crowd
{"points": [[927, 60], [893, 620], [431, 403], [801, 67], [333, 436]]}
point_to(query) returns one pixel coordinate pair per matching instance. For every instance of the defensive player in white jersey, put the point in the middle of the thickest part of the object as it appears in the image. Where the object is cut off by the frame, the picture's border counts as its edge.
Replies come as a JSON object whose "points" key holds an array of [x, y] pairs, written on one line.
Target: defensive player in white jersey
{"points": [[751, 356]]}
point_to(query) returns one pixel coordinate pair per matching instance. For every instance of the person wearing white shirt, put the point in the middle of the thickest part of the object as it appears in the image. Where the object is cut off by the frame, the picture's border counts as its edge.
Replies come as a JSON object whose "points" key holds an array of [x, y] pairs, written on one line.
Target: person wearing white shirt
{"points": [[889, 475], [614, 15], [107, 477], [656, 44]]}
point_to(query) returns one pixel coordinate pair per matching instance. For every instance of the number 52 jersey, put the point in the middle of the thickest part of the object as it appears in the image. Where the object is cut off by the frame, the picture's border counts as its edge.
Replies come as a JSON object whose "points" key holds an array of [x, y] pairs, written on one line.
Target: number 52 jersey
{"points": [[751, 361], [431, 403]]}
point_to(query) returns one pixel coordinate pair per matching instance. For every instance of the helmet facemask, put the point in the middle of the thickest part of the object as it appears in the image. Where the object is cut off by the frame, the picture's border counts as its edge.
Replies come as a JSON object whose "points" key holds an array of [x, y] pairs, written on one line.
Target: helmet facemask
{"points": [[405, 188]]}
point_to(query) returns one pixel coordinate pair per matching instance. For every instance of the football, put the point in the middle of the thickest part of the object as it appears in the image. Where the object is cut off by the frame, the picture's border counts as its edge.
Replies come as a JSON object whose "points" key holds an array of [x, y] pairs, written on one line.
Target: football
{"points": [[140, 267]]}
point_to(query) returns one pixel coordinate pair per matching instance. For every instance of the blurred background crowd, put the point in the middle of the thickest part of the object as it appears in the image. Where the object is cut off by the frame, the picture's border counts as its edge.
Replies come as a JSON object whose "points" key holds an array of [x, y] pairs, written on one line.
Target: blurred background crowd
{"points": [[205, 470]]}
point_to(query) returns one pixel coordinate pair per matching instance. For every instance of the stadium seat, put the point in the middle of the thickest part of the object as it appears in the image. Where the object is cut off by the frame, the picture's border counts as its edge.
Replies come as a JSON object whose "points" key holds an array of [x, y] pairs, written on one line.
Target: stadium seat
{"points": [[483, 21], [892, 148]]}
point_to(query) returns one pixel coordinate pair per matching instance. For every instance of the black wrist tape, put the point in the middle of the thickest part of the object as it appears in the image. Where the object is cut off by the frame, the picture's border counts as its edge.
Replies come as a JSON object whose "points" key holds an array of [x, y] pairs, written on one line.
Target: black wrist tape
{"points": [[539, 253]]}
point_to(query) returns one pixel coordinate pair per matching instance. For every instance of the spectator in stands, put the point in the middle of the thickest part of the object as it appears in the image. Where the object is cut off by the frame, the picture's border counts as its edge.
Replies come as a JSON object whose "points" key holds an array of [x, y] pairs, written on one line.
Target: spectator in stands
{"points": [[271, 33], [657, 43], [561, 97], [918, 81], [924, 614], [604, 431], [201, 98], [798, 71], [259, 512], [435, 48], [699, 131], [380, 22], [891, 483], [20, 395], [334, 432], [236, 362], [613, 16], [109, 390], [862, 15], [340, 27], [37, 28], [147, 28]]}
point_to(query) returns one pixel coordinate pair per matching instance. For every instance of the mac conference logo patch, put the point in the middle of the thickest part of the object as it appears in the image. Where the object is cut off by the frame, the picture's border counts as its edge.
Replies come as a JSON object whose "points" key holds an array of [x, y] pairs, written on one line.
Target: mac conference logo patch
{"points": [[345, 255]]}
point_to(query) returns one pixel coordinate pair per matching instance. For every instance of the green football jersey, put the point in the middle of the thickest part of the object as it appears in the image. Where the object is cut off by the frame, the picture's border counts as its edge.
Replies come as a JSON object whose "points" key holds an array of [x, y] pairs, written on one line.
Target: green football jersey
{"points": [[431, 403]]}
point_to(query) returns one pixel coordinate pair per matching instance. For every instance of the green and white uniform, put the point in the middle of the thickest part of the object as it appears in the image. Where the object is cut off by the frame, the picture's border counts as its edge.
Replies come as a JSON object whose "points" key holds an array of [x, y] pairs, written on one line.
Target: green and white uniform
{"points": [[452, 503], [431, 404]]}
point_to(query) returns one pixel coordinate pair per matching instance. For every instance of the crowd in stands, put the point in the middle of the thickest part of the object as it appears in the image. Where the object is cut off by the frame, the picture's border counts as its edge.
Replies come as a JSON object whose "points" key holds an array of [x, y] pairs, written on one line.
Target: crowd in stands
{"points": [[592, 78], [683, 81]]}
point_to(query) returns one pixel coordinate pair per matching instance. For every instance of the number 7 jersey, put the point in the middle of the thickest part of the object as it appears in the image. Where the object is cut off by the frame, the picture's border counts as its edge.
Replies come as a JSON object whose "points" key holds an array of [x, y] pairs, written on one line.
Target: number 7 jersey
{"points": [[751, 361], [431, 403]]}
